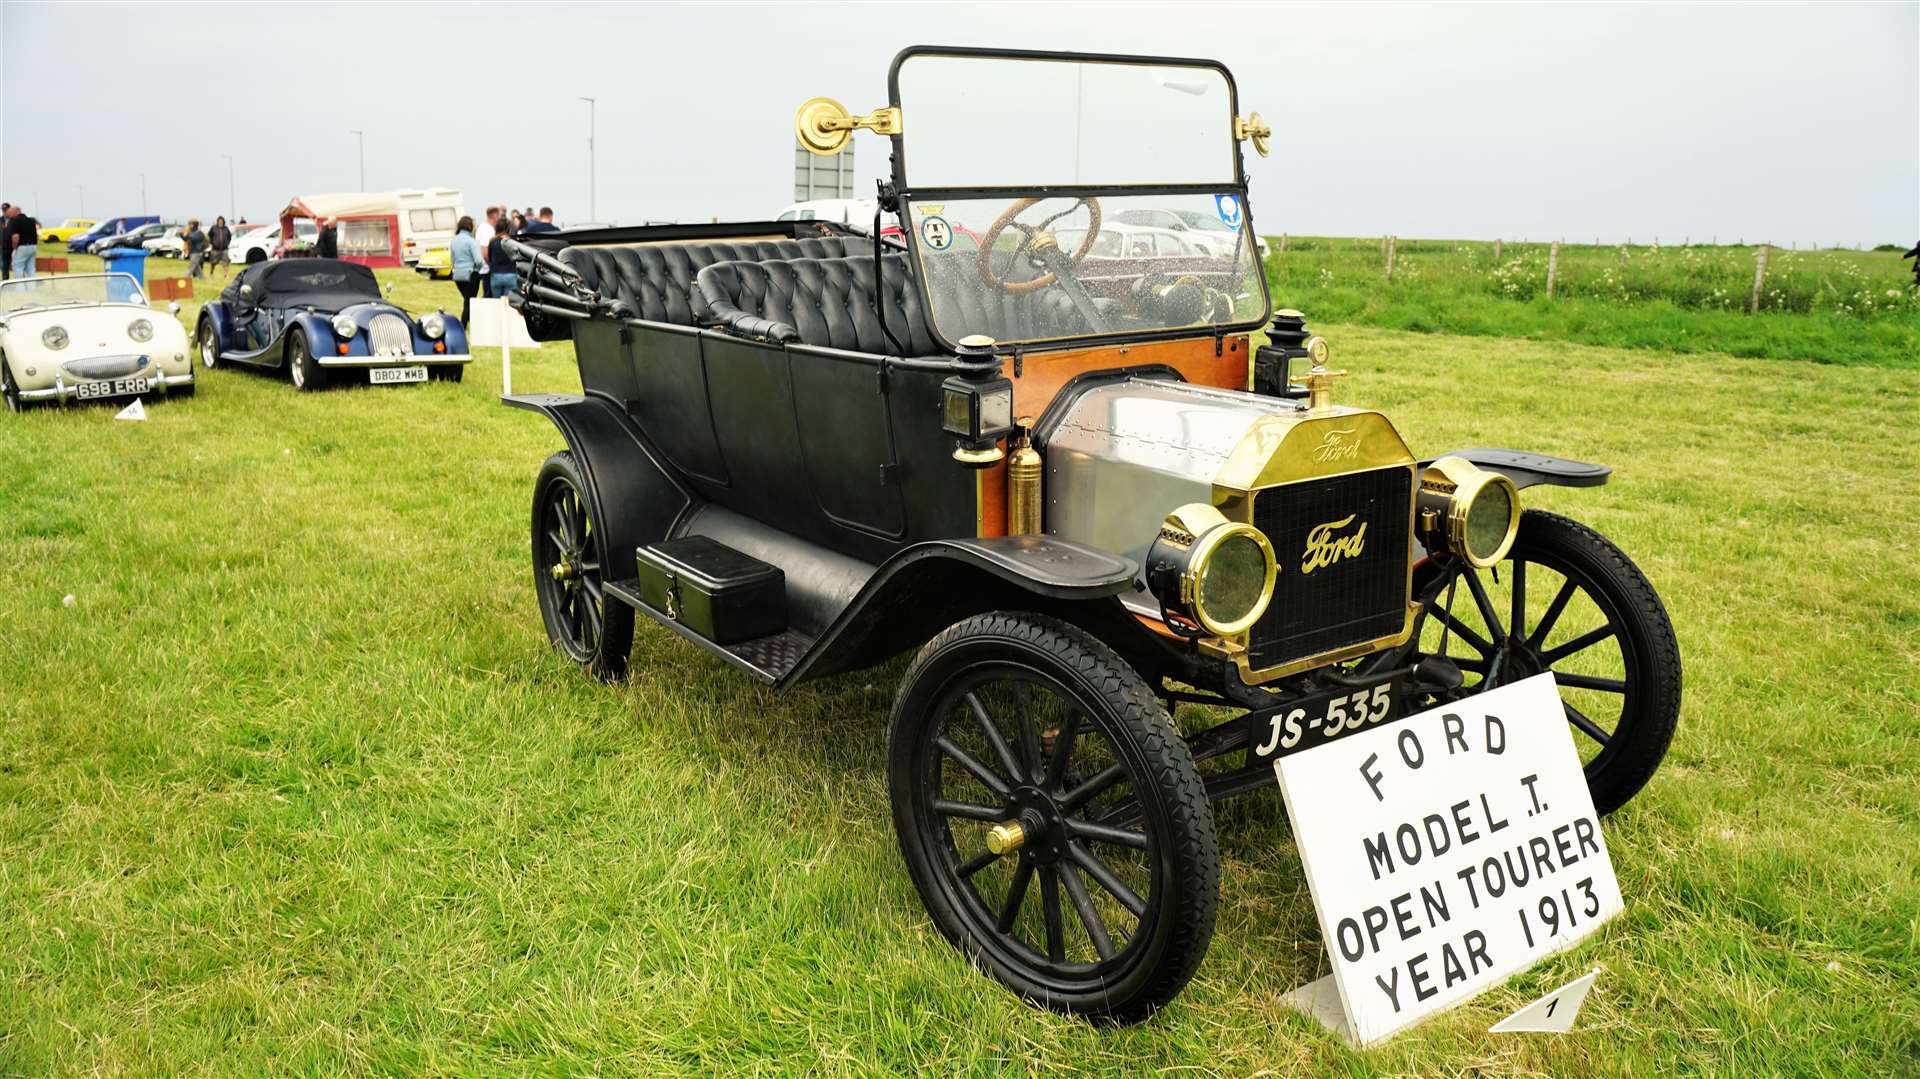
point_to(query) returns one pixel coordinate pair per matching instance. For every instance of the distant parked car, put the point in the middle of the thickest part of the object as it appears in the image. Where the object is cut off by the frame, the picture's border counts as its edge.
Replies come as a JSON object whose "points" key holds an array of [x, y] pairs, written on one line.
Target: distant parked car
{"points": [[267, 237], [1205, 231], [325, 319], [436, 265], [136, 238], [171, 244], [66, 230], [86, 336], [1132, 242], [112, 226]]}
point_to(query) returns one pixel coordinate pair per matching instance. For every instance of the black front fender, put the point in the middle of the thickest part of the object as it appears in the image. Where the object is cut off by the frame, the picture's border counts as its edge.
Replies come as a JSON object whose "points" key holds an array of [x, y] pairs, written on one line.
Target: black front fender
{"points": [[930, 586], [1530, 469]]}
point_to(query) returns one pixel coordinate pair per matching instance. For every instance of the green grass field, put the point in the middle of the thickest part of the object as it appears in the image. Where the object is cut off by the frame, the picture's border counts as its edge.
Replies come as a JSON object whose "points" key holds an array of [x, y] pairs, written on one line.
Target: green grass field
{"points": [[1832, 306], [295, 786]]}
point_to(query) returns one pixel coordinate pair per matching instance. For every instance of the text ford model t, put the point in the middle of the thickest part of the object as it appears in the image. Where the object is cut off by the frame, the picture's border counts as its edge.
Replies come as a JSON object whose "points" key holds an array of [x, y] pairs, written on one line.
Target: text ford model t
{"points": [[1067, 476]]}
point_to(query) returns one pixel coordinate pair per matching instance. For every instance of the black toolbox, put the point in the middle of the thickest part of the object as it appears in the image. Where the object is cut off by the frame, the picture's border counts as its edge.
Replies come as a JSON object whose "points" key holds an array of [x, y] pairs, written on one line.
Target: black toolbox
{"points": [[708, 587]]}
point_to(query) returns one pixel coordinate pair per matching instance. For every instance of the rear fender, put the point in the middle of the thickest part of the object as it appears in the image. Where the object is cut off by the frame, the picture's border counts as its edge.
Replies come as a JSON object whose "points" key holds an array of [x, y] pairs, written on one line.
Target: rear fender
{"points": [[634, 498]]}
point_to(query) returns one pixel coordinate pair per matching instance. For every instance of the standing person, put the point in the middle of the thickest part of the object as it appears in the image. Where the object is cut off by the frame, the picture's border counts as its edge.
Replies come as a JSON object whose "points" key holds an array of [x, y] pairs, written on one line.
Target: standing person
{"points": [[493, 218], [6, 249], [23, 236], [219, 239], [544, 223], [519, 223], [469, 266], [501, 273], [328, 246], [196, 243]]}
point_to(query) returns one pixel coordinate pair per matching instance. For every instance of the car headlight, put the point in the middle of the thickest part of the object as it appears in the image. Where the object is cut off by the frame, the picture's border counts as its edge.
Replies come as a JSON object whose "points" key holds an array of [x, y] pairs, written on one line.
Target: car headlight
{"points": [[1467, 510], [344, 326], [54, 337], [1213, 574], [140, 330], [433, 326]]}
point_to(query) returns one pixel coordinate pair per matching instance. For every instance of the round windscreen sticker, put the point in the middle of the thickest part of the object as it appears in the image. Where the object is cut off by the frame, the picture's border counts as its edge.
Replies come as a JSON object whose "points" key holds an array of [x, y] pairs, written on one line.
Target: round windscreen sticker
{"points": [[936, 233], [1228, 207]]}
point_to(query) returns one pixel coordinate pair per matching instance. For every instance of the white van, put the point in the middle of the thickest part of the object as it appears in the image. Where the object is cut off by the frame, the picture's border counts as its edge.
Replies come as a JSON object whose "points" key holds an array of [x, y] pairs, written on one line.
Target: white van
{"points": [[427, 217]]}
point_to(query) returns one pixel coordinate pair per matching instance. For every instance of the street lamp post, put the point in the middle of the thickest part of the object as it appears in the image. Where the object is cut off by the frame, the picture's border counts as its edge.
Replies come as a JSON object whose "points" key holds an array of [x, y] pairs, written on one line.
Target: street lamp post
{"points": [[593, 210], [363, 159], [232, 203]]}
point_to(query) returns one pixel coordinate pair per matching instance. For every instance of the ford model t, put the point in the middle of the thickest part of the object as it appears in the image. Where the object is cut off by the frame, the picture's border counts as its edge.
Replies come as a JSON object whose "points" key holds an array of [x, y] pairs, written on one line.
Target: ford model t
{"points": [[1060, 465]]}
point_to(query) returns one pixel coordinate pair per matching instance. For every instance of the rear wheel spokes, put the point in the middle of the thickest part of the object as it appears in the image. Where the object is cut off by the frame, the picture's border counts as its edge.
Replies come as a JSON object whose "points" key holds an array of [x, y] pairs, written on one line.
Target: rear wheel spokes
{"points": [[1096, 926]]}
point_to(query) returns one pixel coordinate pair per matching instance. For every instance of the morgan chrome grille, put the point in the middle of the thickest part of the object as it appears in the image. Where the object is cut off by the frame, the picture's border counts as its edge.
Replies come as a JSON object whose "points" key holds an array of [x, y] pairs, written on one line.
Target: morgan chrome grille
{"points": [[389, 334], [1333, 590]]}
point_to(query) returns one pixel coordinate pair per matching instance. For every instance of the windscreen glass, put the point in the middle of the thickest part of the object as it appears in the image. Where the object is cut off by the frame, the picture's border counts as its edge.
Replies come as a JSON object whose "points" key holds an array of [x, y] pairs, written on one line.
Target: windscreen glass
{"points": [[982, 121], [53, 290], [1021, 269]]}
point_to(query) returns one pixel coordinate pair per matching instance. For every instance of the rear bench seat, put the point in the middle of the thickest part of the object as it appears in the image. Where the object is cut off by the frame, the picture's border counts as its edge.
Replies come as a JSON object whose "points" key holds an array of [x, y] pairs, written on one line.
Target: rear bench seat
{"points": [[829, 302], [656, 281]]}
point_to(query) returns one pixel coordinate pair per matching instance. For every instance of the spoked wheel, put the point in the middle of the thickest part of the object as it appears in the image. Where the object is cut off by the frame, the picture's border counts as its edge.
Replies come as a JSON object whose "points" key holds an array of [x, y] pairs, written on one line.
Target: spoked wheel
{"points": [[569, 556], [209, 347], [305, 371], [1052, 819], [1568, 601]]}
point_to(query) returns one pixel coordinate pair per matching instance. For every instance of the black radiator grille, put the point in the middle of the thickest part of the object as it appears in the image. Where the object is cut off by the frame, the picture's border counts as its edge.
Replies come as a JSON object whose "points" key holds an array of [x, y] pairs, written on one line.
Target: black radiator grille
{"points": [[1355, 597]]}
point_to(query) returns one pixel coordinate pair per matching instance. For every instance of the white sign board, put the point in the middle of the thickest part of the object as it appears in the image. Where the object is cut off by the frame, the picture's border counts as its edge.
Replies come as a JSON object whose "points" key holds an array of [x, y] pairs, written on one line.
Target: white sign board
{"points": [[495, 322], [1445, 852]]}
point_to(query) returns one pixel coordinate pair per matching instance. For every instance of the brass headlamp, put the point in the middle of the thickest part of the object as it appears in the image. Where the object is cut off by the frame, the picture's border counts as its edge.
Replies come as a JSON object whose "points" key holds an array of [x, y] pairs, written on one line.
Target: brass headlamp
{"points": [[1467, 510], [1210, 574]]}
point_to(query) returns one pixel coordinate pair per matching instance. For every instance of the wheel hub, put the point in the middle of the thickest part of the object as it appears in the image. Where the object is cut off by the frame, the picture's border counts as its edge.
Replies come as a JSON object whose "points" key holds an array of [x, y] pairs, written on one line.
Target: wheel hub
{"points": [[1038, 823]]}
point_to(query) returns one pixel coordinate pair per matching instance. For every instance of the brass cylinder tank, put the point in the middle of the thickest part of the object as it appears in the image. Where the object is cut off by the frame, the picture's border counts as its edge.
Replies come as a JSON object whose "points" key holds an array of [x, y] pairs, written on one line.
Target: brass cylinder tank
{"points": [[1024, 469]]}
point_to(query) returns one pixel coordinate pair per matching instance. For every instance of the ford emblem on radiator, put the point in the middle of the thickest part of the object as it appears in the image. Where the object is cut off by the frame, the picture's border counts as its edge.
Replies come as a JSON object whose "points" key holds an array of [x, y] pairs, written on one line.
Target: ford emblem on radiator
{"points": [[1326, 545]]}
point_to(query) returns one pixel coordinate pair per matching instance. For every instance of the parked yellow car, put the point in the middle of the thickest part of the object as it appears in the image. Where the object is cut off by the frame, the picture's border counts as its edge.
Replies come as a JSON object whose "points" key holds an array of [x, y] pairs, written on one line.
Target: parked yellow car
{"points": [[436, 264], [66, 230]]}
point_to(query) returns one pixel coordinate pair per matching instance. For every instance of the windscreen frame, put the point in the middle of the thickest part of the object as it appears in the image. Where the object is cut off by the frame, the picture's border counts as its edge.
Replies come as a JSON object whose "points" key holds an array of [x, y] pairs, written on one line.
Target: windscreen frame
{"points": [[907, 193]]}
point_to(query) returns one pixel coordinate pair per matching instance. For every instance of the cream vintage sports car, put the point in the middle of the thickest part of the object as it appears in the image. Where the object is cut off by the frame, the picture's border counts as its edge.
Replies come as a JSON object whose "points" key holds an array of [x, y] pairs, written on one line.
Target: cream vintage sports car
{"points": [[87, 336]]}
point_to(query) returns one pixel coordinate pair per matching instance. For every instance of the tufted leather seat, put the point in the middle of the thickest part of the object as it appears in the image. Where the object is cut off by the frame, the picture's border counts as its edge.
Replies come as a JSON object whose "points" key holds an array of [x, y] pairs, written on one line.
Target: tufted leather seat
{"points": [[829, 302], [819, 301], [656, 281]]}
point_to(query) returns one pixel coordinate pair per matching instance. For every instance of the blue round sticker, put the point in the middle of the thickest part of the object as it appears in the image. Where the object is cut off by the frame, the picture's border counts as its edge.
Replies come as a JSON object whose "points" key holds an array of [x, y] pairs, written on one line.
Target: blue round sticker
{"points": [[1228, 207], [936, 233]]}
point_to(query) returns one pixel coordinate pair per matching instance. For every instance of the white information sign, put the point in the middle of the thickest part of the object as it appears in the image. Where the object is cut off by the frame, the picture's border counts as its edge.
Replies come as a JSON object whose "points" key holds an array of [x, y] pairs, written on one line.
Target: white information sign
{"points": [[495, 322], [1445, 852]]}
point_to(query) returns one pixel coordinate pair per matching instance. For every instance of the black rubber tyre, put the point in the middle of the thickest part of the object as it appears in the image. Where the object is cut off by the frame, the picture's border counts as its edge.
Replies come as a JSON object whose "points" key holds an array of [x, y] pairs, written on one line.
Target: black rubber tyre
{"points": [[452, 372], [10, 390], [1632, 657], [569, 550], [302, 368], [1096, 759], [209, 349]]}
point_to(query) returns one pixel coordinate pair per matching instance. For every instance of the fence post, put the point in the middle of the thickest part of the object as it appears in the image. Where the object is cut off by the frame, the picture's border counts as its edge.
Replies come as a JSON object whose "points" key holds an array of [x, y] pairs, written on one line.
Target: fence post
{"points": [[1553, 267], [1623, 254], [1759, 279], [1393, 242], [1283, 242], [1496, 250]]}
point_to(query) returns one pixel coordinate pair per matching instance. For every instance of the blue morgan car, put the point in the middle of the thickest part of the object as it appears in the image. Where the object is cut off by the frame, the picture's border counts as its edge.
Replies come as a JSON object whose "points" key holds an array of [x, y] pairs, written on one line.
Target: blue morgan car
{"points": [[326, 321]]}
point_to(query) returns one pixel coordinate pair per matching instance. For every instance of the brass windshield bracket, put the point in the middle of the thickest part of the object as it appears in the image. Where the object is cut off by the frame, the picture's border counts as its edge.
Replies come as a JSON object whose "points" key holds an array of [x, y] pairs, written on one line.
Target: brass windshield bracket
{"points": [[1253, 128], [824, 125]]}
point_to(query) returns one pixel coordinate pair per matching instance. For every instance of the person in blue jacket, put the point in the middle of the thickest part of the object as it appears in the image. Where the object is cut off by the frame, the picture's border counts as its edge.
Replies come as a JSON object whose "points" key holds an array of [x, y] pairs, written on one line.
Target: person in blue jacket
{"points": [[502, 274], [469, 266]]}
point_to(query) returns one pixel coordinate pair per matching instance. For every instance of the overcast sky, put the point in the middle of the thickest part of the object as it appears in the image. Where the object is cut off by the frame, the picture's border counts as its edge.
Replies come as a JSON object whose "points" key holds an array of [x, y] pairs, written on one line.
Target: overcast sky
{"points": [[1780, 122]]}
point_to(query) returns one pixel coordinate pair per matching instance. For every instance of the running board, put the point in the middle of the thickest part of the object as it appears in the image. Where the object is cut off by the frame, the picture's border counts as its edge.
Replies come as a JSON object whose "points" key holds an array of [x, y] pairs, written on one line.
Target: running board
{"points": [[766, 658]]}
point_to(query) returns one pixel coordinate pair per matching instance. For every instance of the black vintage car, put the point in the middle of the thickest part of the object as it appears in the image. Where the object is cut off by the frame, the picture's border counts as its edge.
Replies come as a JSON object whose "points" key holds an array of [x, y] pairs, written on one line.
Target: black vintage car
{"points": [[1076, 485], [323, 321]]}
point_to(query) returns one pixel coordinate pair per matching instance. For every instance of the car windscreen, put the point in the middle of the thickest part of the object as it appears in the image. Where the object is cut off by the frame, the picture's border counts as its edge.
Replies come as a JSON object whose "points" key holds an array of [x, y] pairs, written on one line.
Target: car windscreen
{"points": [[47, 291], [1025, 269], [1023, 176]]}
